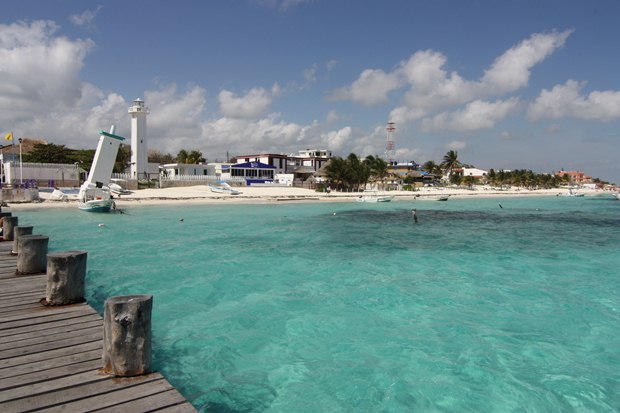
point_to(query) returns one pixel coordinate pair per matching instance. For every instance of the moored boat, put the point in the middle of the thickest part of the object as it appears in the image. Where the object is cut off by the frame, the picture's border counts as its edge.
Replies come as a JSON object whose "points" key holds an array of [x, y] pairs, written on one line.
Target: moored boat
{"points": [[373, 197], [224, 188]]}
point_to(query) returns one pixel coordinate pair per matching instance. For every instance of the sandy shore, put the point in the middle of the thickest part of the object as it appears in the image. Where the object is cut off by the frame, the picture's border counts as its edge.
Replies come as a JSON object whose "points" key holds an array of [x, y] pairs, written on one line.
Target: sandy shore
{"points": [[200, 194]]}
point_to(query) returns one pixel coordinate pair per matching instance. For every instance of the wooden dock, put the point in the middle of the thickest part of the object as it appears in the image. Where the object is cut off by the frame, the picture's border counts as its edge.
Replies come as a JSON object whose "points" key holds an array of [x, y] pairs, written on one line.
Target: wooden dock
{"points": [[50, 357]]}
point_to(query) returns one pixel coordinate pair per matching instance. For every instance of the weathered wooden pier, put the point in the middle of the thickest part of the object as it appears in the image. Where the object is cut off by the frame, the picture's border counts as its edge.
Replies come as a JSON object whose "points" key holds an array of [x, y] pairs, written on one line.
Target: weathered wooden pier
{"points": [[51, 357]]}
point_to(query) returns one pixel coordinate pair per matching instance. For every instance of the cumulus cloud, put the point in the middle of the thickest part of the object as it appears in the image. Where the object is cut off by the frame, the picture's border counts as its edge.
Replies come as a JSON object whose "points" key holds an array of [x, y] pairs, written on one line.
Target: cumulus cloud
{"points": [[86, 18], [475, 116], [254, 103], [38, 69], [567, 101], [428, 87], [511, 70], [371, 88]]}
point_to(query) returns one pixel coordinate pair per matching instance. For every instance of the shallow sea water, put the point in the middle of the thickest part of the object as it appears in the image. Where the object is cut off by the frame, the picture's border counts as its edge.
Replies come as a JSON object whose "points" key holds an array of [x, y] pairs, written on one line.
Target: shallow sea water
{"points": [[349, 307]]}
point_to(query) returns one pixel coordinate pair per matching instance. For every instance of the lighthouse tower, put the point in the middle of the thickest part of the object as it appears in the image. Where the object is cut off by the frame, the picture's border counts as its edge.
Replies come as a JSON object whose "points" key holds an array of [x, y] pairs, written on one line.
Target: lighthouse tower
{"points": [[139, 163], [389, 144]]}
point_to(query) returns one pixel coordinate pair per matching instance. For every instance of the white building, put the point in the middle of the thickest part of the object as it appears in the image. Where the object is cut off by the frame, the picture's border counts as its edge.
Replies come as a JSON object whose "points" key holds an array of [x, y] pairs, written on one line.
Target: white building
{"points": [[476, 173]]}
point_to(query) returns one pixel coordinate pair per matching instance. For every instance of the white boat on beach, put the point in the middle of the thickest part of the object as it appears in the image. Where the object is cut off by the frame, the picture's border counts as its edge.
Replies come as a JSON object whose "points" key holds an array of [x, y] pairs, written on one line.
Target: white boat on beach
{"points": [[224, 188], [116, 187], [432, 197], [571, 193], [95, 196], [373, 197]]}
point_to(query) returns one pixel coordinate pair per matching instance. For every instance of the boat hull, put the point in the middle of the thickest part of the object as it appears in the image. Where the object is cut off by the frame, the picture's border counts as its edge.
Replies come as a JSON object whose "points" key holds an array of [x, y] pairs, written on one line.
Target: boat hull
{"points": [[100, 205]]}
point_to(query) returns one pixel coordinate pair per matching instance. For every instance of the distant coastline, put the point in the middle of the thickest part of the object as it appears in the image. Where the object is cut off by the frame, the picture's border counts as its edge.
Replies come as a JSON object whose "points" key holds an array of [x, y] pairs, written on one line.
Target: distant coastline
{"points": [[200, 194]]}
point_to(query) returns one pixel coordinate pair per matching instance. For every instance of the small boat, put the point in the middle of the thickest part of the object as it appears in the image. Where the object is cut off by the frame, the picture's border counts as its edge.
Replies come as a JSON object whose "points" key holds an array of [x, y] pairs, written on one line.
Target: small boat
{"points": [[571, 193], [442, 198], [373, 197], [224, 188], [116, 188], [616, 195]]}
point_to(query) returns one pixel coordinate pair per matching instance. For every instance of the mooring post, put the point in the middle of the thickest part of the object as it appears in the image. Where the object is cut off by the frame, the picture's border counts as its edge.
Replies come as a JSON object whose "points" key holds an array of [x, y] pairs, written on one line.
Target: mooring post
{"points": [[32, 255], [127, 335], [18, 231], [8, 224], [66, 275]]}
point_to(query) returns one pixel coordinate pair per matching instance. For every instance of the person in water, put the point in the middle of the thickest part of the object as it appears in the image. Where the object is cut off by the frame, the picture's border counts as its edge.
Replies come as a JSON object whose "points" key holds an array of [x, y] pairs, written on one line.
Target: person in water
{"points": [[415, 215]]}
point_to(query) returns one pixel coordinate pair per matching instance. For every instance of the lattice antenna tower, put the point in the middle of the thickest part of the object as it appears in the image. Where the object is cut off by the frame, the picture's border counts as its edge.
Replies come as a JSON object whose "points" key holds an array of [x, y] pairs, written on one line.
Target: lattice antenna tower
{"points": [[389, 144]]}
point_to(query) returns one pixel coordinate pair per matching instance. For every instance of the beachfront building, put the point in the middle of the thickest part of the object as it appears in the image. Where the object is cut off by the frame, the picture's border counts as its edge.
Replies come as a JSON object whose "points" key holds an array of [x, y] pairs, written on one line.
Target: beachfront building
{"points": [[178, 170], [277, 160], [253, 172], [474, 172], [402, 169], [311, 159], [41, 174], [576, 177]]}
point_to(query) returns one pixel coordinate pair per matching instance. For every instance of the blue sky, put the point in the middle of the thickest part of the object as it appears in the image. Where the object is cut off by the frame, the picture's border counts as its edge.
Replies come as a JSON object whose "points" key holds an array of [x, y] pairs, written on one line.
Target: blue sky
{"points": [[508, 84]]}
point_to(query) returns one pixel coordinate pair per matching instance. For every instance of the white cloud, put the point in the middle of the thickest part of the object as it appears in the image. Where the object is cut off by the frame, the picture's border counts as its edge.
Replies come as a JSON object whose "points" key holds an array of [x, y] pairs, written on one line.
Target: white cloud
{"points": [[309, 74], [86, 18], [456, 145], [566, 101], [337, 140], [430, 88], [511, 70], [253, 104], [39, 70], [282, 5], [475, 116], [371, 88]]}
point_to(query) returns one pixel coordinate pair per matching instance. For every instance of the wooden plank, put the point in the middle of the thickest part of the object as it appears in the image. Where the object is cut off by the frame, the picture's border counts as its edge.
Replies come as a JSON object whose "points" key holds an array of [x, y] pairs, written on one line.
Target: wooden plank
{"points": [[115, 398], [167, 399], [88, 336], [49, 355], [66, 360], [44, 315], [51, 325], [34, 337], [57, 398], [43, 381]]}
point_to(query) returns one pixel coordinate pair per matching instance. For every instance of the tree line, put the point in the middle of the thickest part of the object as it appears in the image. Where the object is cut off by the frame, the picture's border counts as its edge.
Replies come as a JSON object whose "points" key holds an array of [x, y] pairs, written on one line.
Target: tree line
{"points": [[60, 154]]}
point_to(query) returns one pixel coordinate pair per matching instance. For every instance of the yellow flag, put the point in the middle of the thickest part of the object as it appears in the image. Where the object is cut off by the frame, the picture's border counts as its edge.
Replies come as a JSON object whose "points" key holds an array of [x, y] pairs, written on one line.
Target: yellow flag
{"points": [[9, 136]]}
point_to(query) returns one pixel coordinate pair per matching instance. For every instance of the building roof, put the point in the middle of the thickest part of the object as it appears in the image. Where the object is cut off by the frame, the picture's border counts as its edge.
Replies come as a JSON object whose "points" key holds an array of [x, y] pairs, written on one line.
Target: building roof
{"points": [[256, 165]]}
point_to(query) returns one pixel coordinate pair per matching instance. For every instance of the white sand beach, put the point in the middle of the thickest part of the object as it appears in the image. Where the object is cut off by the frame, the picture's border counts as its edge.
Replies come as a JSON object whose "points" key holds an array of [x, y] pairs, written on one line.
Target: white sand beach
{"points": [[201, 194]]}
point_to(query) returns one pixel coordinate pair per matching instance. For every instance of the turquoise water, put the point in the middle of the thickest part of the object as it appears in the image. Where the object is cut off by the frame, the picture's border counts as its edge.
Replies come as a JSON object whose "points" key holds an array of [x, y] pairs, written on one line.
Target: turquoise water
{"points": [[349, 307]]}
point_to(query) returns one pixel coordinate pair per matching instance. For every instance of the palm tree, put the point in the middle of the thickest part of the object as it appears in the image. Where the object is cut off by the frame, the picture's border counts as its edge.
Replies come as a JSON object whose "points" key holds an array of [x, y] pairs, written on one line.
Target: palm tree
{"points": [[378, 168], [335, 171], [450, 161], [192, 157]]}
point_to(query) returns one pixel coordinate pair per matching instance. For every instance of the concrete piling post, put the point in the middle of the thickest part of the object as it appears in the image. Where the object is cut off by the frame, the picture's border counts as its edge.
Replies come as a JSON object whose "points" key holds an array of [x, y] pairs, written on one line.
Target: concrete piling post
{"points": [[127, 335], [32, 256], [18, 231], [66, 275], [8, 225]]}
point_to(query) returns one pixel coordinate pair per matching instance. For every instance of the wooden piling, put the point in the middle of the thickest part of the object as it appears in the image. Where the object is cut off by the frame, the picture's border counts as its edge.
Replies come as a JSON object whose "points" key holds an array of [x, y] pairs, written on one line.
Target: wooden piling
{"points": [[66, 275], [32, 256], [8, 225], [127, 335], [18, 231]]}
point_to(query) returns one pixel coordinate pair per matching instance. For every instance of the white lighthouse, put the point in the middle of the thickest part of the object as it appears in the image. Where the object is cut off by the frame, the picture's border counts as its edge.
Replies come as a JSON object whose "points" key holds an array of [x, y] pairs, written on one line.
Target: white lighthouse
{"points": [[139, 160]]}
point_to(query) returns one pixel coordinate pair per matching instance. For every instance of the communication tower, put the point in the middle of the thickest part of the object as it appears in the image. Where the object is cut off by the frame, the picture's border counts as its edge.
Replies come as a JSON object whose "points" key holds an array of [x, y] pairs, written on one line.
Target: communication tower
{"points": [[389, 144]]}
